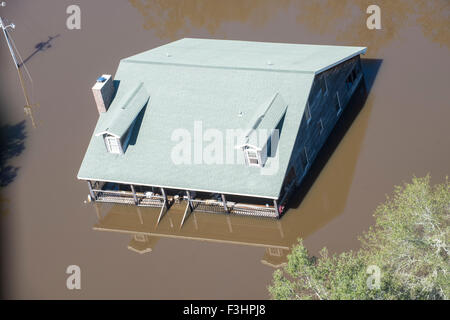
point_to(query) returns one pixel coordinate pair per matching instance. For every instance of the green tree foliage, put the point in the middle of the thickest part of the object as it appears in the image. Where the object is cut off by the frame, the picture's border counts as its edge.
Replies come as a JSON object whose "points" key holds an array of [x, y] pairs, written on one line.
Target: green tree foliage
{"points": [[409, 243]]}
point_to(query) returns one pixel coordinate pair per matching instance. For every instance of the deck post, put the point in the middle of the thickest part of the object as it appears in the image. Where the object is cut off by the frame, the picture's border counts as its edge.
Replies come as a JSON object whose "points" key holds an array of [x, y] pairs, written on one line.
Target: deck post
{"points": [[195, 222], [275, 205], [163, 192], [164, 206], [224, 202], [91, 192], [97, 211], [230, 228], [134, 194], [161, 212], [280, 227], [186, 212], [189, 200], [141, 220]]}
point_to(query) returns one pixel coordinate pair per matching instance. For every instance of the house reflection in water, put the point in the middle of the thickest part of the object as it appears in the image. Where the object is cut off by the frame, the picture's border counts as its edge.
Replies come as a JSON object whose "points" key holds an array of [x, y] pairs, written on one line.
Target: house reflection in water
{"points": [[321, 198], [141, 224], [142, 243]]}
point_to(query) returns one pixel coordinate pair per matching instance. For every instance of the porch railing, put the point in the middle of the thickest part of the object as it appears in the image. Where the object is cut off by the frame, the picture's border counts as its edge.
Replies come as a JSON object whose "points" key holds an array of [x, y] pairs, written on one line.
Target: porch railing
{"points": [[213, 206], [150, 199], [128, 197]]}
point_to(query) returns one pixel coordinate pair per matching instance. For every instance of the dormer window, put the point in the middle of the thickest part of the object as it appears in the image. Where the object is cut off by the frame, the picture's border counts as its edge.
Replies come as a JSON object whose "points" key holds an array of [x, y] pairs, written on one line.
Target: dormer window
{"points": [[252, 157], [119, 120], [113, 144], [261, 139]]}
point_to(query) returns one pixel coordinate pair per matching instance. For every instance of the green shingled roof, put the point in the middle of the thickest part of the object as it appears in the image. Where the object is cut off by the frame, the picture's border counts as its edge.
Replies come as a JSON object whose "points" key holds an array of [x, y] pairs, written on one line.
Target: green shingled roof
{"points": [[267, 119], [209, 84], [249, 55], [123, 111]]}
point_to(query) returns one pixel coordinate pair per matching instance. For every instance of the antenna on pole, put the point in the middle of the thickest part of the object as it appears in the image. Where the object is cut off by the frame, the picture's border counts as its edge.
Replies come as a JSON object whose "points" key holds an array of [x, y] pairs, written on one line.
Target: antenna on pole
{"points": [[5, 28]]}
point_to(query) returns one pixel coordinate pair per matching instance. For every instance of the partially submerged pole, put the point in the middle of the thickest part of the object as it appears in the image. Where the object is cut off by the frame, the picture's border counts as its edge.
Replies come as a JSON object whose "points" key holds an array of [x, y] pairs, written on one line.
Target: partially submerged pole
{"points": [[224, 203], [5, 33], [91, 191], [189, 208], [164, 206], [275, 205], [188, 193], [28, 106], [134, 194]]}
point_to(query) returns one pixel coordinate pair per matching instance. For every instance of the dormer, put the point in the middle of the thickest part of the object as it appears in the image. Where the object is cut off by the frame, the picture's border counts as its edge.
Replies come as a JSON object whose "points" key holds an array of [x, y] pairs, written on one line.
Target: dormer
{"points": [[113, 143], [252, 156], [118, 122], [261, 138]]}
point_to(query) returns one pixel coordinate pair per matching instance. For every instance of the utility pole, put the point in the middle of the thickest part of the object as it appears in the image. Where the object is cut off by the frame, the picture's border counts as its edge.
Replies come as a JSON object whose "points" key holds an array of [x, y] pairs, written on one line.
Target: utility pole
{"points": [[5, 28]]}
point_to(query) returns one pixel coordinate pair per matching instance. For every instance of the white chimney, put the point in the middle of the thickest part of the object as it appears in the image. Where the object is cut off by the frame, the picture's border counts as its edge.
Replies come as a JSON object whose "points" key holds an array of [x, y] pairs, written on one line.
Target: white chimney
{"points": [[103, 92]]}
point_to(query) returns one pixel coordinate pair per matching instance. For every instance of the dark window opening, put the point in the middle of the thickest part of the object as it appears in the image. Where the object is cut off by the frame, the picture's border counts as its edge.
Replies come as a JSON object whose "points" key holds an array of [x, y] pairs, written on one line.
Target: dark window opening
{"points": [[323, 85], [290, 176], [351, 78]]}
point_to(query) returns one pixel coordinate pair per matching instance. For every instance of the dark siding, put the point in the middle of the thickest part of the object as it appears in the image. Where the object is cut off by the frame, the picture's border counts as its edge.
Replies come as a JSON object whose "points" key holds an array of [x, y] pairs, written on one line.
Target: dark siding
{"points": [[322, 107]]}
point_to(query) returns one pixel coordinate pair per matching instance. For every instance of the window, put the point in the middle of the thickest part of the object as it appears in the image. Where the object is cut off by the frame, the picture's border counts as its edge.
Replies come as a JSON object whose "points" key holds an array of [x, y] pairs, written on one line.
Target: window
{"points": [[140, 237], [275, 252], [323, 85], [290, 176], [337, 103], [351, 78], [251, 154], [320, 126], [307, 113], [252, 157], [304, 158], [113, 144]]}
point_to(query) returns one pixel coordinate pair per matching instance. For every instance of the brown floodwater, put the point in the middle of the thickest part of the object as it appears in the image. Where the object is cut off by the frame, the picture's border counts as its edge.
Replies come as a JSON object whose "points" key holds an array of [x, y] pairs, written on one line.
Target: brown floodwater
{"points": [[401, 130]]}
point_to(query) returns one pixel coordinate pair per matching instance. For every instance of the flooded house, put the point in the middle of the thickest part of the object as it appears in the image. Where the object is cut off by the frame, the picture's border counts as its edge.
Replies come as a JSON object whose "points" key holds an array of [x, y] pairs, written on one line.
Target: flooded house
{"points": [[217, 125]]}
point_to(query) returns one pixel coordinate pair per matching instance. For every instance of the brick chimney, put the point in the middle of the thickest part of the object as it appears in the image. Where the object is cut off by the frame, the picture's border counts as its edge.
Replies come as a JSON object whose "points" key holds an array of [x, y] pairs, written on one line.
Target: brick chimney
{"points": [[103, 91]]}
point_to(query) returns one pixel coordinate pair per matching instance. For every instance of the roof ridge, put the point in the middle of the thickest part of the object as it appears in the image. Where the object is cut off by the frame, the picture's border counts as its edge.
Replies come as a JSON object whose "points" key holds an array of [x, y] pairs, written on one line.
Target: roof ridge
{"points": [[127, 60]]}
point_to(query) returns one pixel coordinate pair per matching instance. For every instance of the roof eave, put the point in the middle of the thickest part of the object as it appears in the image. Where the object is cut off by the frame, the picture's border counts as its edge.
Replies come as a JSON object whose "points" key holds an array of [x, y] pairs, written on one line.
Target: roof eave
{"points": [[182, 188], [101, 133], [357, 53]]}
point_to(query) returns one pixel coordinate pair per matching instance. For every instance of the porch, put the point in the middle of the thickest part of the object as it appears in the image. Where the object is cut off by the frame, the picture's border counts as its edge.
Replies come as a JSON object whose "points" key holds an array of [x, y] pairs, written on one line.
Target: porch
{"points": [[163, 198]]}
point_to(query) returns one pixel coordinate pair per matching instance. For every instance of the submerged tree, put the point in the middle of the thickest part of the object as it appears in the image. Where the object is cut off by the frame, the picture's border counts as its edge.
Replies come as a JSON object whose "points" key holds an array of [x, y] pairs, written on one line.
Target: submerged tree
{"points": [[12, 144], [409, 246]]}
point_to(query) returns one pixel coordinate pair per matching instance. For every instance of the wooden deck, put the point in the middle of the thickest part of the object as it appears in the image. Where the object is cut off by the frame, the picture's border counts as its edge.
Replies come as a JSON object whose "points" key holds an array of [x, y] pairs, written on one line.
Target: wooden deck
{"points": [[98, 193], [197, 205], [125, 197]]}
